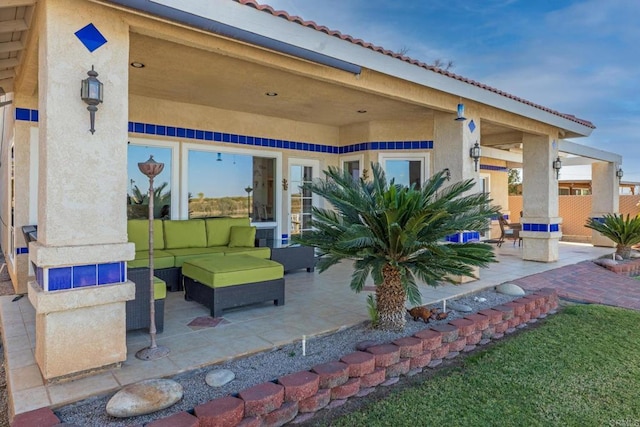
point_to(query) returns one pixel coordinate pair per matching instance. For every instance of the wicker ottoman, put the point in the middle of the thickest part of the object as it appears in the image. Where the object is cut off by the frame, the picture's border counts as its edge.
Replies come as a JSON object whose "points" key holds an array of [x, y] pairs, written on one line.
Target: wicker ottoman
{"points": [[232, 281]]}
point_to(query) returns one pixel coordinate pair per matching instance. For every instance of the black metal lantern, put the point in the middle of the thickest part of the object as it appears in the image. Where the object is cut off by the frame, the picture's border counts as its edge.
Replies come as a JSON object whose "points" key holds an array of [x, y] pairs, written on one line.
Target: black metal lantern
{"points": [[91, 93], [475, 152], [620, 173], [557, 165]]}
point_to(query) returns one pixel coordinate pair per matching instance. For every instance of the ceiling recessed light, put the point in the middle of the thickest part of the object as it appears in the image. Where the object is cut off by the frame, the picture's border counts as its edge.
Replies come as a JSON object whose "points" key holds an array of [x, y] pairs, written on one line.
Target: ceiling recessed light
{"points": [[362, 111], [137, 65], [271, 94]]}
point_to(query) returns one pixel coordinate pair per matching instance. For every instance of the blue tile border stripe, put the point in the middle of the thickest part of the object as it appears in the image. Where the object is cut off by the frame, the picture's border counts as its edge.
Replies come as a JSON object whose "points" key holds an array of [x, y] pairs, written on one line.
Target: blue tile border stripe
{"points": [[494, 168], [541, 227], [20, 251], [463, 237], [232, 138], [80, 276], [25, 114]]}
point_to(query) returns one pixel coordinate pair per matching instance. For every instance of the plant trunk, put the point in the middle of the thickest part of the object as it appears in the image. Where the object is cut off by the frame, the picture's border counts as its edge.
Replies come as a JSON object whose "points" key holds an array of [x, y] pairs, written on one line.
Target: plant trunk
{"points": [[390, 299], [624, 251]]}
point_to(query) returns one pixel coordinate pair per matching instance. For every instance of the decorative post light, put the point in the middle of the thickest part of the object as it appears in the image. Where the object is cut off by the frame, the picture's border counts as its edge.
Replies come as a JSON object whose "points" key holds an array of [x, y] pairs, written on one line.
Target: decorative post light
{"points": [[475, 152], [619, 173], [91, 93], [248, 189], [151, 169], [447, 174], [557, 165], [460, 116]]}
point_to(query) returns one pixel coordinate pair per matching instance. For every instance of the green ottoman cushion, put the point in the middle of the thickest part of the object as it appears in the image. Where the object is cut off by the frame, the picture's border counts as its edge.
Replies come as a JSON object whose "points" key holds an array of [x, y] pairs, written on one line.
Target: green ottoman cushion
{"points": [[159, 288], [218, 272]]}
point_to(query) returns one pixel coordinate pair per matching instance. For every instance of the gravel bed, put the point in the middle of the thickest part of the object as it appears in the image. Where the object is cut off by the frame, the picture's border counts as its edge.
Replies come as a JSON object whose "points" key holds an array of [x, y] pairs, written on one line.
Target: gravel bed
{"points": [[267, 366]]}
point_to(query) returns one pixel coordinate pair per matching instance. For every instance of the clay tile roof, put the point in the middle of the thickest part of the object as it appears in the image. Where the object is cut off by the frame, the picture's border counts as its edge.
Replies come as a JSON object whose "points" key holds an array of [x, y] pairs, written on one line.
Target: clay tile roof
{"points": [[298, 20]]}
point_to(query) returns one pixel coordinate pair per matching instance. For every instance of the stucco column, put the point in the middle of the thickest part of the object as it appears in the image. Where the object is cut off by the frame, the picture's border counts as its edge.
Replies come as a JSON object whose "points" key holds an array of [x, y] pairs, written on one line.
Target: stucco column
{"points": [[605, 197], [540, 222], [81, 286], [452, 141]]}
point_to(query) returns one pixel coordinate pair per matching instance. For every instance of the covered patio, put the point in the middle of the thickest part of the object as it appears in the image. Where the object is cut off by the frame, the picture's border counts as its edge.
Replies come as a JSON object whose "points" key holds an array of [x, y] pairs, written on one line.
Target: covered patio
{"points": [[317, 304]]}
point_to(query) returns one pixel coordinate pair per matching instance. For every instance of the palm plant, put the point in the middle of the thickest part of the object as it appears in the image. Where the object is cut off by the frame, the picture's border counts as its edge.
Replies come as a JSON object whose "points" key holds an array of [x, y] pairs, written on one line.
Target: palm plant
{"points": [[624, 232], [396, 234]]}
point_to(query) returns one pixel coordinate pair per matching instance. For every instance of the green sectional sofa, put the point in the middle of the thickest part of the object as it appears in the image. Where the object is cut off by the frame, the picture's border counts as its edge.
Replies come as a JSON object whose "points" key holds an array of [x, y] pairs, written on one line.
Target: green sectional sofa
{"points": [[177, 241]]}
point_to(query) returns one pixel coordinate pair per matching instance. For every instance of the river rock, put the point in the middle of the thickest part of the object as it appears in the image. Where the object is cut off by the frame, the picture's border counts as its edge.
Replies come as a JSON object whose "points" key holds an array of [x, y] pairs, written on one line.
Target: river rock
{"points": [[453, 305], [219, 377], [510, 289], [606, 262], [144, 397]]}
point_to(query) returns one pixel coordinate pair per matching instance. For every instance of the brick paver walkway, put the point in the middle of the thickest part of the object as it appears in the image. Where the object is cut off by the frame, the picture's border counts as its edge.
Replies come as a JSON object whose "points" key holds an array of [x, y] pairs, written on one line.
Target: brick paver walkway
{"points": [[587, 282]]}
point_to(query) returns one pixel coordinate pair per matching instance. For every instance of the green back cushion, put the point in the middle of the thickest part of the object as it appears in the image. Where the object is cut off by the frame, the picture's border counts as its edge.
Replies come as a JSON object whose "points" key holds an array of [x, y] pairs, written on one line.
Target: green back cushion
{"points": [[138, 231], [242, 236], [190, 233], [219, 229]]}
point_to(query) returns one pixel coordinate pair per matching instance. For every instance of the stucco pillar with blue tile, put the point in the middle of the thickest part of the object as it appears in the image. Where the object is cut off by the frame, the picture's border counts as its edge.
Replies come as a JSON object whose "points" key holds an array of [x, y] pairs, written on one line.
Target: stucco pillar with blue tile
{"points": [[540, 222], [452, 140], [605, 198], [81, 251]]}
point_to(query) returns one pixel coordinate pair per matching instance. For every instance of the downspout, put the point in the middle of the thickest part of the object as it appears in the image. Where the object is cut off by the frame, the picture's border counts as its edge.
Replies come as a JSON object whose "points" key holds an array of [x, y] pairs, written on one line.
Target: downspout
{"points": [[216, 27]]}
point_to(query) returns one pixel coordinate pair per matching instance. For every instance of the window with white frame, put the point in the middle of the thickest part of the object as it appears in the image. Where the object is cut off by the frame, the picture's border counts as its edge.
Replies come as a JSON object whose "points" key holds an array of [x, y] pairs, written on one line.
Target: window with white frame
{"points": [[405, 168]]}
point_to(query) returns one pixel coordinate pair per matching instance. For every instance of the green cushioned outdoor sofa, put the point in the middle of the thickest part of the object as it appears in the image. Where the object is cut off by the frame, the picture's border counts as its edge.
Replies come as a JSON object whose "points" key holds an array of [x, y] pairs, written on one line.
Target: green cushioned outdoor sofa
{"points": [[176, 241]]}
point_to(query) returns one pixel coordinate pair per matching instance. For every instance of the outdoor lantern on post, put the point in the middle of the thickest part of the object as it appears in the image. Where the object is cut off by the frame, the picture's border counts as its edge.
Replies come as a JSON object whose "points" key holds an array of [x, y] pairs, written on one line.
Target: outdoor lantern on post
{"points": [[557, 165], [620, 173], [475, 152], [91, 93], [248, 189], [151, 169]]}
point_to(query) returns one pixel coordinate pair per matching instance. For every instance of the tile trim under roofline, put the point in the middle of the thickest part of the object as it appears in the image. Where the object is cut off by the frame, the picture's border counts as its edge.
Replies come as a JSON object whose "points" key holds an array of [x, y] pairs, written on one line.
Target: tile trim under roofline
{"points": [[266, 24], [25, 114]]}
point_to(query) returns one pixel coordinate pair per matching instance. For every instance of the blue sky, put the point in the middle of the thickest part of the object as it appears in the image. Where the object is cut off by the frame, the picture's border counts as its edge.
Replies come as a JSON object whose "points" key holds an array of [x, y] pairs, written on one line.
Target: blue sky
{"points": [[577, 57]]}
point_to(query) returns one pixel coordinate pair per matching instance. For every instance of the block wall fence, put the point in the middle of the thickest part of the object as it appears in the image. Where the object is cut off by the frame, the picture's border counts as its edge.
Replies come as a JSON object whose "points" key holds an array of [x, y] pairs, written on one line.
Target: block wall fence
{"points": [[298, 396], [574, 211]]}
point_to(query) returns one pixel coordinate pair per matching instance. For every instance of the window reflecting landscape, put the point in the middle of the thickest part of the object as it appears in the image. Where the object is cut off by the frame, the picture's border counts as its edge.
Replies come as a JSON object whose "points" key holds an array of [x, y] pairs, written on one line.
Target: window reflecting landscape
{"points": [[231, 185], [138, 184]]}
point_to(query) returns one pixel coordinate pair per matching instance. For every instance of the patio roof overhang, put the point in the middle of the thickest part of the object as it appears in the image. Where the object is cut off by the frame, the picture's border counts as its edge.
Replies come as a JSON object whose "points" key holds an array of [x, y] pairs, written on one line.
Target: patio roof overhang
{"points": [[249, 25]]}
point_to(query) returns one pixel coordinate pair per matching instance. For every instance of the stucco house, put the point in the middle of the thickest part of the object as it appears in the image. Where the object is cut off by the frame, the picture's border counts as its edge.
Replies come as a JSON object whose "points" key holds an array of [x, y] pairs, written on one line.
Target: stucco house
{"points": [[230, 95]]}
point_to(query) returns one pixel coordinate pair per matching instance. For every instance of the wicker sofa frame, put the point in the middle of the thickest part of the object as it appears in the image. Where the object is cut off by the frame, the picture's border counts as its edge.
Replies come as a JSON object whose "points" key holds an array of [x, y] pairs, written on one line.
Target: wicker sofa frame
{"points": [[218, 299], [137, 309]]}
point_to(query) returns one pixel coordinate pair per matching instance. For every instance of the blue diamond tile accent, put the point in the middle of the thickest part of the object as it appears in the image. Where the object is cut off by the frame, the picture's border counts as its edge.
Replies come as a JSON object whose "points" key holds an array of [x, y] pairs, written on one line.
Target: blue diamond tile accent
{"points": [[90, 37], [472, 126]]}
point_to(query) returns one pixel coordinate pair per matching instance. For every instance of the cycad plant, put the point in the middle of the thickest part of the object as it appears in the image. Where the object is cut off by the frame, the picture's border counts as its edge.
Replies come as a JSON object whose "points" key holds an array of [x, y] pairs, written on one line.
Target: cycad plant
{"points": [[624, 232], [396, 234]]}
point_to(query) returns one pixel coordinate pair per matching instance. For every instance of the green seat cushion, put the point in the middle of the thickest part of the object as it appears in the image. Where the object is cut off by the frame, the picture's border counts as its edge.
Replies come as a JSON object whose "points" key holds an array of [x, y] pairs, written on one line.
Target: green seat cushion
{"points": [[264, 253], [217, 272], [138, 232], [161, 259], [182, 255], [189, 233], [219, 229], [159, 288], [242, 236]]}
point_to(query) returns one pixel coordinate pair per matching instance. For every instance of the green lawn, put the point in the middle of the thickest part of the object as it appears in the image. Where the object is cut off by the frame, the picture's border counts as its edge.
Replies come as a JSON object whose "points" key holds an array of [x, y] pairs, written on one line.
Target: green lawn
{"points": [[580, 368]]}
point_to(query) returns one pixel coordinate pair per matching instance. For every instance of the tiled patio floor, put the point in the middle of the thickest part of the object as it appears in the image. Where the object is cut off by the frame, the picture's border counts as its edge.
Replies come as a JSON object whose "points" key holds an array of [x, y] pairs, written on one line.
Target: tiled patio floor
{"points": [[315, 304]]}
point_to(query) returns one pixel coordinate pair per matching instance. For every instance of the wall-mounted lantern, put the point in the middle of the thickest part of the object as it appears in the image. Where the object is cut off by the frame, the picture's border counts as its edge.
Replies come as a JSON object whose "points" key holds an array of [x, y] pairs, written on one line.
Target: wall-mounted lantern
{"points": [[91, 93], [475, 152], [557, 165]]}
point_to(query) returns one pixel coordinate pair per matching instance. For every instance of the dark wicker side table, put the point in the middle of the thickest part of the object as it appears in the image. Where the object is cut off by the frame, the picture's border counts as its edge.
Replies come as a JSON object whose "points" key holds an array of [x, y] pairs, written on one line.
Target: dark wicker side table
{"points": [[294, 257]]}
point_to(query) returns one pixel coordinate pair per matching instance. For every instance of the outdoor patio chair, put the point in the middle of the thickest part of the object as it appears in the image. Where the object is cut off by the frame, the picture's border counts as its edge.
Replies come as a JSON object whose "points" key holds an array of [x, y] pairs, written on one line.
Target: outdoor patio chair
{"points": [[503, 224]]}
